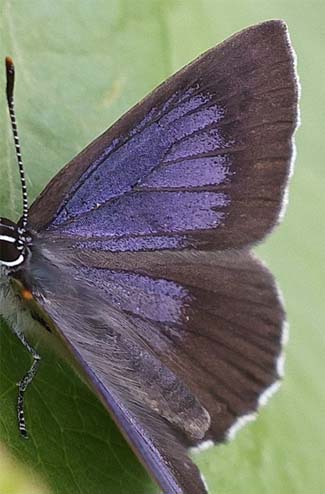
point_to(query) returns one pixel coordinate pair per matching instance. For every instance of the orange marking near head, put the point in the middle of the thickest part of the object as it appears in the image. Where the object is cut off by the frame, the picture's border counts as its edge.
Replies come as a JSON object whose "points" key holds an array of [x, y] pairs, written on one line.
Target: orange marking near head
{"points": [[9, 61], [27, 295]]}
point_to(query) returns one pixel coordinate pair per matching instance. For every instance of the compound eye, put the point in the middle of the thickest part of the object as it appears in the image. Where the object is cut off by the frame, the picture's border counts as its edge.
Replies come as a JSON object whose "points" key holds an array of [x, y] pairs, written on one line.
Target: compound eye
{"points": [[11, 247], [10, 254]]}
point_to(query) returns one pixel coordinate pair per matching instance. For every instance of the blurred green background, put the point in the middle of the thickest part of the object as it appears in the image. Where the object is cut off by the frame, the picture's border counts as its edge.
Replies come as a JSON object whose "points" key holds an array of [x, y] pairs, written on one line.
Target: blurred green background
{"points": [[80, 65]]}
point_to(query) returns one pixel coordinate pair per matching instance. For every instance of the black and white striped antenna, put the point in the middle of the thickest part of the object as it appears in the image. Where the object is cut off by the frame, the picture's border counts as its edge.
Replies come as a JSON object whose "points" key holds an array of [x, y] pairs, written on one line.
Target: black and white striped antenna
{"points": [[10, 73]]}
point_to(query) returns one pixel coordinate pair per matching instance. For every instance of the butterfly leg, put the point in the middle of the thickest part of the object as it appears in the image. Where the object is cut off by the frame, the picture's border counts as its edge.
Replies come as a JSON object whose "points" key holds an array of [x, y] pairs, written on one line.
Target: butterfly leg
{"points": [[24, 383]]}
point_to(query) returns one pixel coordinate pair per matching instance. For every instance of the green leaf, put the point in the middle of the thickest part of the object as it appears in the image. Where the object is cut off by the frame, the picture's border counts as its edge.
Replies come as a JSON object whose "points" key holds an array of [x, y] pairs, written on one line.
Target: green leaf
{"points": [[73, 442], [79, 67], [15, 479]]}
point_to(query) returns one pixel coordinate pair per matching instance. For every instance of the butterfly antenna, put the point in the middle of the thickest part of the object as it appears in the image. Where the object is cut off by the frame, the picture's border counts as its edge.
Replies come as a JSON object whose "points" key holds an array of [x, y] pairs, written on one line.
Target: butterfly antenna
{"points": [[10, 73]]}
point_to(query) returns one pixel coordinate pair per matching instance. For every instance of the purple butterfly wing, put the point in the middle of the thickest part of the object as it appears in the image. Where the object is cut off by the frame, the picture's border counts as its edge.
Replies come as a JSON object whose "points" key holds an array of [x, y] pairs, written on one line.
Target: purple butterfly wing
{"points": [[202, 162], [215, 320], [182, 348], [152, 406]]}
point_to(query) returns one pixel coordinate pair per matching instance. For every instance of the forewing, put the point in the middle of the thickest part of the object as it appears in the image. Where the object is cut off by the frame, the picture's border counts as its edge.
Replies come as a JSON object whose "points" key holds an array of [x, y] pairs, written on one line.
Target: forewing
{"points": [[202, 162]]}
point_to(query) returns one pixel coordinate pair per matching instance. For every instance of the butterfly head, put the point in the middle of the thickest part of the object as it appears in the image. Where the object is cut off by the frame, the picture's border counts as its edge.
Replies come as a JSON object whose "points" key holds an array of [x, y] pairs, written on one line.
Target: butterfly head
{"points": [[14, 239], [14, 242]]}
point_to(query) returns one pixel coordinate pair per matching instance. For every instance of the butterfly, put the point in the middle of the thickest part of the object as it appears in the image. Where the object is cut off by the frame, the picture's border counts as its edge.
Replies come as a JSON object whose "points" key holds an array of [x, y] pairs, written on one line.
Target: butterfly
{"points": [[136, 256]]}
